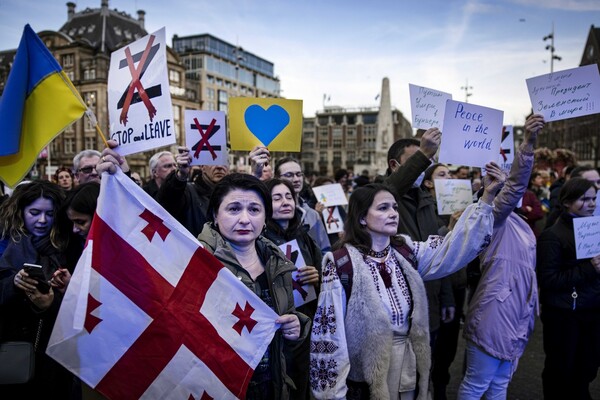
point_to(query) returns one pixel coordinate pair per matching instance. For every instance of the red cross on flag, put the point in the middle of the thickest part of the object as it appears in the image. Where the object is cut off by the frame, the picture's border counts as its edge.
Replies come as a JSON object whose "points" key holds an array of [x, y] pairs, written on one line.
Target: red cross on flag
{"points": [[151, 314]]}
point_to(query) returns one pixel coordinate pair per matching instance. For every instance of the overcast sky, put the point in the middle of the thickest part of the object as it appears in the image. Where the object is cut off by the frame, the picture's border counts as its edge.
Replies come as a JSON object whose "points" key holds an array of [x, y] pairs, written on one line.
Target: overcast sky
{"points": [[344, 48]]}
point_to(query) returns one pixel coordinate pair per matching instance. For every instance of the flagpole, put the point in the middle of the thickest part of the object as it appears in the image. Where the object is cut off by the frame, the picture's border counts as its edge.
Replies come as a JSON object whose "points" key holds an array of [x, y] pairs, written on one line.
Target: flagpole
{"points": [[94, 121], [49, 163]]}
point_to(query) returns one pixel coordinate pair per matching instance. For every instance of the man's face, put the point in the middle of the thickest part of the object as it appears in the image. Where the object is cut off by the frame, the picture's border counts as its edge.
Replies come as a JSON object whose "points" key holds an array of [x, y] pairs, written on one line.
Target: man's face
{"points": [[87, 170], [408, 152], [214, 173], [290, 171], [166, 164], [462, 173]]}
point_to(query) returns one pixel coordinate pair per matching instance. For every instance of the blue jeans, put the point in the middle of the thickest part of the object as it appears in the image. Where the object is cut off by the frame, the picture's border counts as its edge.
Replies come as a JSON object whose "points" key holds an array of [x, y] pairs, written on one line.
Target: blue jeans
{"points": [[485, 375]]}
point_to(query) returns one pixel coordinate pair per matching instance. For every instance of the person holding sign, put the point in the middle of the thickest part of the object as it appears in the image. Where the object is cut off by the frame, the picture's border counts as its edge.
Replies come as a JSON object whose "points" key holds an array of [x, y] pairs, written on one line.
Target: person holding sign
{"points": [[283, 226], [370, 335], [570, 298]]}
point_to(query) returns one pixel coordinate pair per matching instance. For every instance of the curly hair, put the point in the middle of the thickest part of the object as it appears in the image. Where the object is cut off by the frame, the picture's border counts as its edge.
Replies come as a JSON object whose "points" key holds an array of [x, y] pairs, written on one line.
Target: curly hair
{"points": [[11, 211]]}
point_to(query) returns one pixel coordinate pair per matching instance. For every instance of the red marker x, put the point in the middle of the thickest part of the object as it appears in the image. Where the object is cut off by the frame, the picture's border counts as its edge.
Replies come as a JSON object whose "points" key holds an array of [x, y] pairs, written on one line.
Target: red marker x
{"points": [[331, 219], [136, 83], [204, 138], [295, 284]]}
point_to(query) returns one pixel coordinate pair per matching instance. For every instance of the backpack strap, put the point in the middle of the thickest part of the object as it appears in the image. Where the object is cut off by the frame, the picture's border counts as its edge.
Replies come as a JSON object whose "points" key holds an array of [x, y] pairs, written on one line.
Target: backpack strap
{"points": [[343, 265], [406, 252]]}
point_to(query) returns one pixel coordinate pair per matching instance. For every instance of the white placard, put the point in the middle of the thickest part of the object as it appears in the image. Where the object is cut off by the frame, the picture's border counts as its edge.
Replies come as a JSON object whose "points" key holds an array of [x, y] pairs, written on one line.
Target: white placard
{"points": [[452, 195], [330, 195], [139, 101], [305, 293], [507, 149], [472, 134], [427, 106], [206, 137], [566, 94], [334, 223], [587, 236]]}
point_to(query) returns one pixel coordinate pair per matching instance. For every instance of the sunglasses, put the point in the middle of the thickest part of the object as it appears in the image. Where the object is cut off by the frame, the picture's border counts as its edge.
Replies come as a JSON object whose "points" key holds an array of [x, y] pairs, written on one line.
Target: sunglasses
{"points": [[87, 170]]}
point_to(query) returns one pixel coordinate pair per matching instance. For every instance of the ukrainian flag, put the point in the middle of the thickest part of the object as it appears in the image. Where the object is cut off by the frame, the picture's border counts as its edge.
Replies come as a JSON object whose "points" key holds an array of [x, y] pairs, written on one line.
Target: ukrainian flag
{"points": [[38, 102]]}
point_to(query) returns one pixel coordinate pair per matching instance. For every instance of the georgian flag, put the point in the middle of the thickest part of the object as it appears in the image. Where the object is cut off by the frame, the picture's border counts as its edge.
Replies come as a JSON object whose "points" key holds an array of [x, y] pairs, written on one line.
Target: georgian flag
{"points": [[151, 314]]}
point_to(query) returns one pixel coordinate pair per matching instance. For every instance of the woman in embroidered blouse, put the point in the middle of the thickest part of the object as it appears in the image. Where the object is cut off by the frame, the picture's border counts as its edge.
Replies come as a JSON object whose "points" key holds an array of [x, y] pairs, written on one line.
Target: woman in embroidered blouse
{"points": [[383, 341]]}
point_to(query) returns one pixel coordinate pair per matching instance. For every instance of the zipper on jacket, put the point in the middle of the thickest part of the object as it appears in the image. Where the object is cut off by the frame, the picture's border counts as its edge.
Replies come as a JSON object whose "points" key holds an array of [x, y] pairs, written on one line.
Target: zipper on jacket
{"points": [[574, 296]]}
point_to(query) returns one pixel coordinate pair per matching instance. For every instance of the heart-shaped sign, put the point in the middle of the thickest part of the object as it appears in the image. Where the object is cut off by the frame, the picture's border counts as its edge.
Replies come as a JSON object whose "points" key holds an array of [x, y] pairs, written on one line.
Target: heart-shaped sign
{"points": [[266, 124]]}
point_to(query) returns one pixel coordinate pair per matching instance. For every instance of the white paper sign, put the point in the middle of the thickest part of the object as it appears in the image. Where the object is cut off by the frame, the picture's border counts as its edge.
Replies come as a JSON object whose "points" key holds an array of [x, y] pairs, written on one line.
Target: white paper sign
{"points": [[587, 236], [305, 293], [333, 219], [472, 134], [139, 101], [206, 137], [330, 195], [566, 94], [427, 106], [452, 195], [507, 149]]}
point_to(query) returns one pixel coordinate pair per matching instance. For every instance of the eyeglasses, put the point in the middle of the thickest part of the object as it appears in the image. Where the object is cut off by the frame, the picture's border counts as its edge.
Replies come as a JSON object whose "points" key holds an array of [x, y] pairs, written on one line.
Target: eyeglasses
{"points": [[88, 170], [290, 175]]}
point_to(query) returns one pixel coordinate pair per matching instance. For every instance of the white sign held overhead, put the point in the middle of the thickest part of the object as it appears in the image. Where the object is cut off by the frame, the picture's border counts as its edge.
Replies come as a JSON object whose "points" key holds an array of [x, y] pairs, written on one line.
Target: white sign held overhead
{"points": [[206, 137], [427, 106], [507, 148], [330, 195], [139, 102], [472, 134], [452, 195], [566, 94]]}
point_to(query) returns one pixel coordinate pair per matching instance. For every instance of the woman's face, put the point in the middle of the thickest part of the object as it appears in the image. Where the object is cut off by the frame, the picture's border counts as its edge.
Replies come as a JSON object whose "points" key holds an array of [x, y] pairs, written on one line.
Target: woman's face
{"points": [[64, 180], [441, 172], [584, 206], [39, 217], [81, 222], [538, 181], [241, 216], [382, 217], [284, 206]]}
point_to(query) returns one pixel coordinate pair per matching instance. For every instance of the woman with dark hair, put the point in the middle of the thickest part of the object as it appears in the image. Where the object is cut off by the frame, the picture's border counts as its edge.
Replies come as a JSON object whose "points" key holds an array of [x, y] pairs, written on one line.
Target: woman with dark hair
{"points": [[283, 226], [81, 206], [28, 305], [570, 298], [64, 178], [370, 336], [237, 211]]}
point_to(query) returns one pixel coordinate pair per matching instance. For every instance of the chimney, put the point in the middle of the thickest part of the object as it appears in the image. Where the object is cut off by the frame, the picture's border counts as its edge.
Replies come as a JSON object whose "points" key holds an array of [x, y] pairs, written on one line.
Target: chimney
{"points": [[141, 18], [70, 10]]}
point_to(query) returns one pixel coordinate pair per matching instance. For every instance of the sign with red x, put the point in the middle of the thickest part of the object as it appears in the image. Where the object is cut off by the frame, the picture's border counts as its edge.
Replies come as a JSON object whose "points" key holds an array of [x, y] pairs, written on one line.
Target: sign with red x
{"points": [[206, 137], [139, 101], [302, 293], [507, 148]]}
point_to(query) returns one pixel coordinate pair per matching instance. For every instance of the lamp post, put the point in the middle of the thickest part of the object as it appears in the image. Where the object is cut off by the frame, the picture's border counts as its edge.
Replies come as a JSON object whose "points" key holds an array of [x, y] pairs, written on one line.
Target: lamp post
{"points": [[552, 49], [466, 88]]}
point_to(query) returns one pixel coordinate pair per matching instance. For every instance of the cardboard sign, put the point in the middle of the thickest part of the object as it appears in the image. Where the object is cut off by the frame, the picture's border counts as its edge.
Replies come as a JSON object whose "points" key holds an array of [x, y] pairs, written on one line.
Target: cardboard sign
{"points": [[139, 101], [427, 106], [302, 293], [566, 94], [507, 149], [587, 236], [206, 137], [452, 195], [330, 195], [274, 123], [333, 220], [472, 134]]}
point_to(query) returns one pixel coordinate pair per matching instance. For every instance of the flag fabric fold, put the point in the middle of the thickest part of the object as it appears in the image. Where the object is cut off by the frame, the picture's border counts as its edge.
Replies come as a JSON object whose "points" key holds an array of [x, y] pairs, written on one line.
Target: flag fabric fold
{"points": [[149, 313], [38, 102]]}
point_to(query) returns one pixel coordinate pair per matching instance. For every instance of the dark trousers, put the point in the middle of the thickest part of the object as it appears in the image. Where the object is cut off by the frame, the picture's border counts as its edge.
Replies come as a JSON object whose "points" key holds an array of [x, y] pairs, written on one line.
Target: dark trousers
{"points": [[572, 348]]}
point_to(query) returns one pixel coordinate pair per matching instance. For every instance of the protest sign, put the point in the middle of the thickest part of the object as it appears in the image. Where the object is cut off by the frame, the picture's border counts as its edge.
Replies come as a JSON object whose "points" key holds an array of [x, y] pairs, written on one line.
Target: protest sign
{"points": [[139, 102], [566, 94], [507, 149], [275, 123], [206, 137], [334, 222], [587, 236], [472, 134], [452, 195], [302, 293], [330, 195], [427, 106]]}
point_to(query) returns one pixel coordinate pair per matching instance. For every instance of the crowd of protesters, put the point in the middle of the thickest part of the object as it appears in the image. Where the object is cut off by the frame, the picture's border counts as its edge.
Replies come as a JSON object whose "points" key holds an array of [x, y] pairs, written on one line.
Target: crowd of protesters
{"points": [[394, 288]]}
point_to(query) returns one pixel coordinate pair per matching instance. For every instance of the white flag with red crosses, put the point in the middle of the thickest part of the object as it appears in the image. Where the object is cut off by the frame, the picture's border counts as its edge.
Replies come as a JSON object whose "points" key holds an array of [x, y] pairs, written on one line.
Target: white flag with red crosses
{"points": [[149, 313]]}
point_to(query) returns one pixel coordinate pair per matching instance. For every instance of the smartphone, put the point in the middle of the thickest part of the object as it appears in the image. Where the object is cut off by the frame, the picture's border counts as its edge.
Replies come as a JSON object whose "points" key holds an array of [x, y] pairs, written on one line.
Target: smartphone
{"points": [[35, 271]]}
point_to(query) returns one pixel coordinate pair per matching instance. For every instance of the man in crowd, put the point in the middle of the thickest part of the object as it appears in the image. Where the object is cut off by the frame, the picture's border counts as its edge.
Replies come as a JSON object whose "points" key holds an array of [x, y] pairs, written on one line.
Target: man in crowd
{"points": [[84, 165], [161, 165]]}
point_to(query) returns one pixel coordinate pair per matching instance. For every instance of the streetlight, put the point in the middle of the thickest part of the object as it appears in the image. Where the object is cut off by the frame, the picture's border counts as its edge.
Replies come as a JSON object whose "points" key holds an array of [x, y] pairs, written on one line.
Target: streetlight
{"points": [[552, 49], [466, 88]]}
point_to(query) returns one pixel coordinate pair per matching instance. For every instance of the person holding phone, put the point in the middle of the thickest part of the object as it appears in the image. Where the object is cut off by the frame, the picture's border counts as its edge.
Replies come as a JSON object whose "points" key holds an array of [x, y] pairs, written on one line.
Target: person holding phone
{"points": [[39, 247]]}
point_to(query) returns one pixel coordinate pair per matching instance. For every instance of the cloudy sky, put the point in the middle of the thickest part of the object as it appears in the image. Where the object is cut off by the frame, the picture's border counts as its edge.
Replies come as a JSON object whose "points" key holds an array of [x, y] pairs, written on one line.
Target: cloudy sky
{"points": [[343, 48]]}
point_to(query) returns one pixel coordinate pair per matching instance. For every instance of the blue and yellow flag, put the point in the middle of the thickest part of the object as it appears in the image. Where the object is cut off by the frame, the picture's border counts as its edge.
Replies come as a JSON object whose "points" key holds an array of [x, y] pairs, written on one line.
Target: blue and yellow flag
{"points": [[38, 102]]}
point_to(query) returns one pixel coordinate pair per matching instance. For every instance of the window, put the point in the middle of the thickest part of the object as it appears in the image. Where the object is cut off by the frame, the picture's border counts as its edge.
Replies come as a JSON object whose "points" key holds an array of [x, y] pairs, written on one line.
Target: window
{"points": [[323, 143], [350, 131], [210, 93], [351, 156], [323, 131], [174, 76], [337, 156], [90, 99], [336, 132], [322, 156], [210, 79], [337, 143], [89, 74], [70, 75], [90, 143], [369, 130], [350, 143], [70, 145], [222, 106], [67, 60]]}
